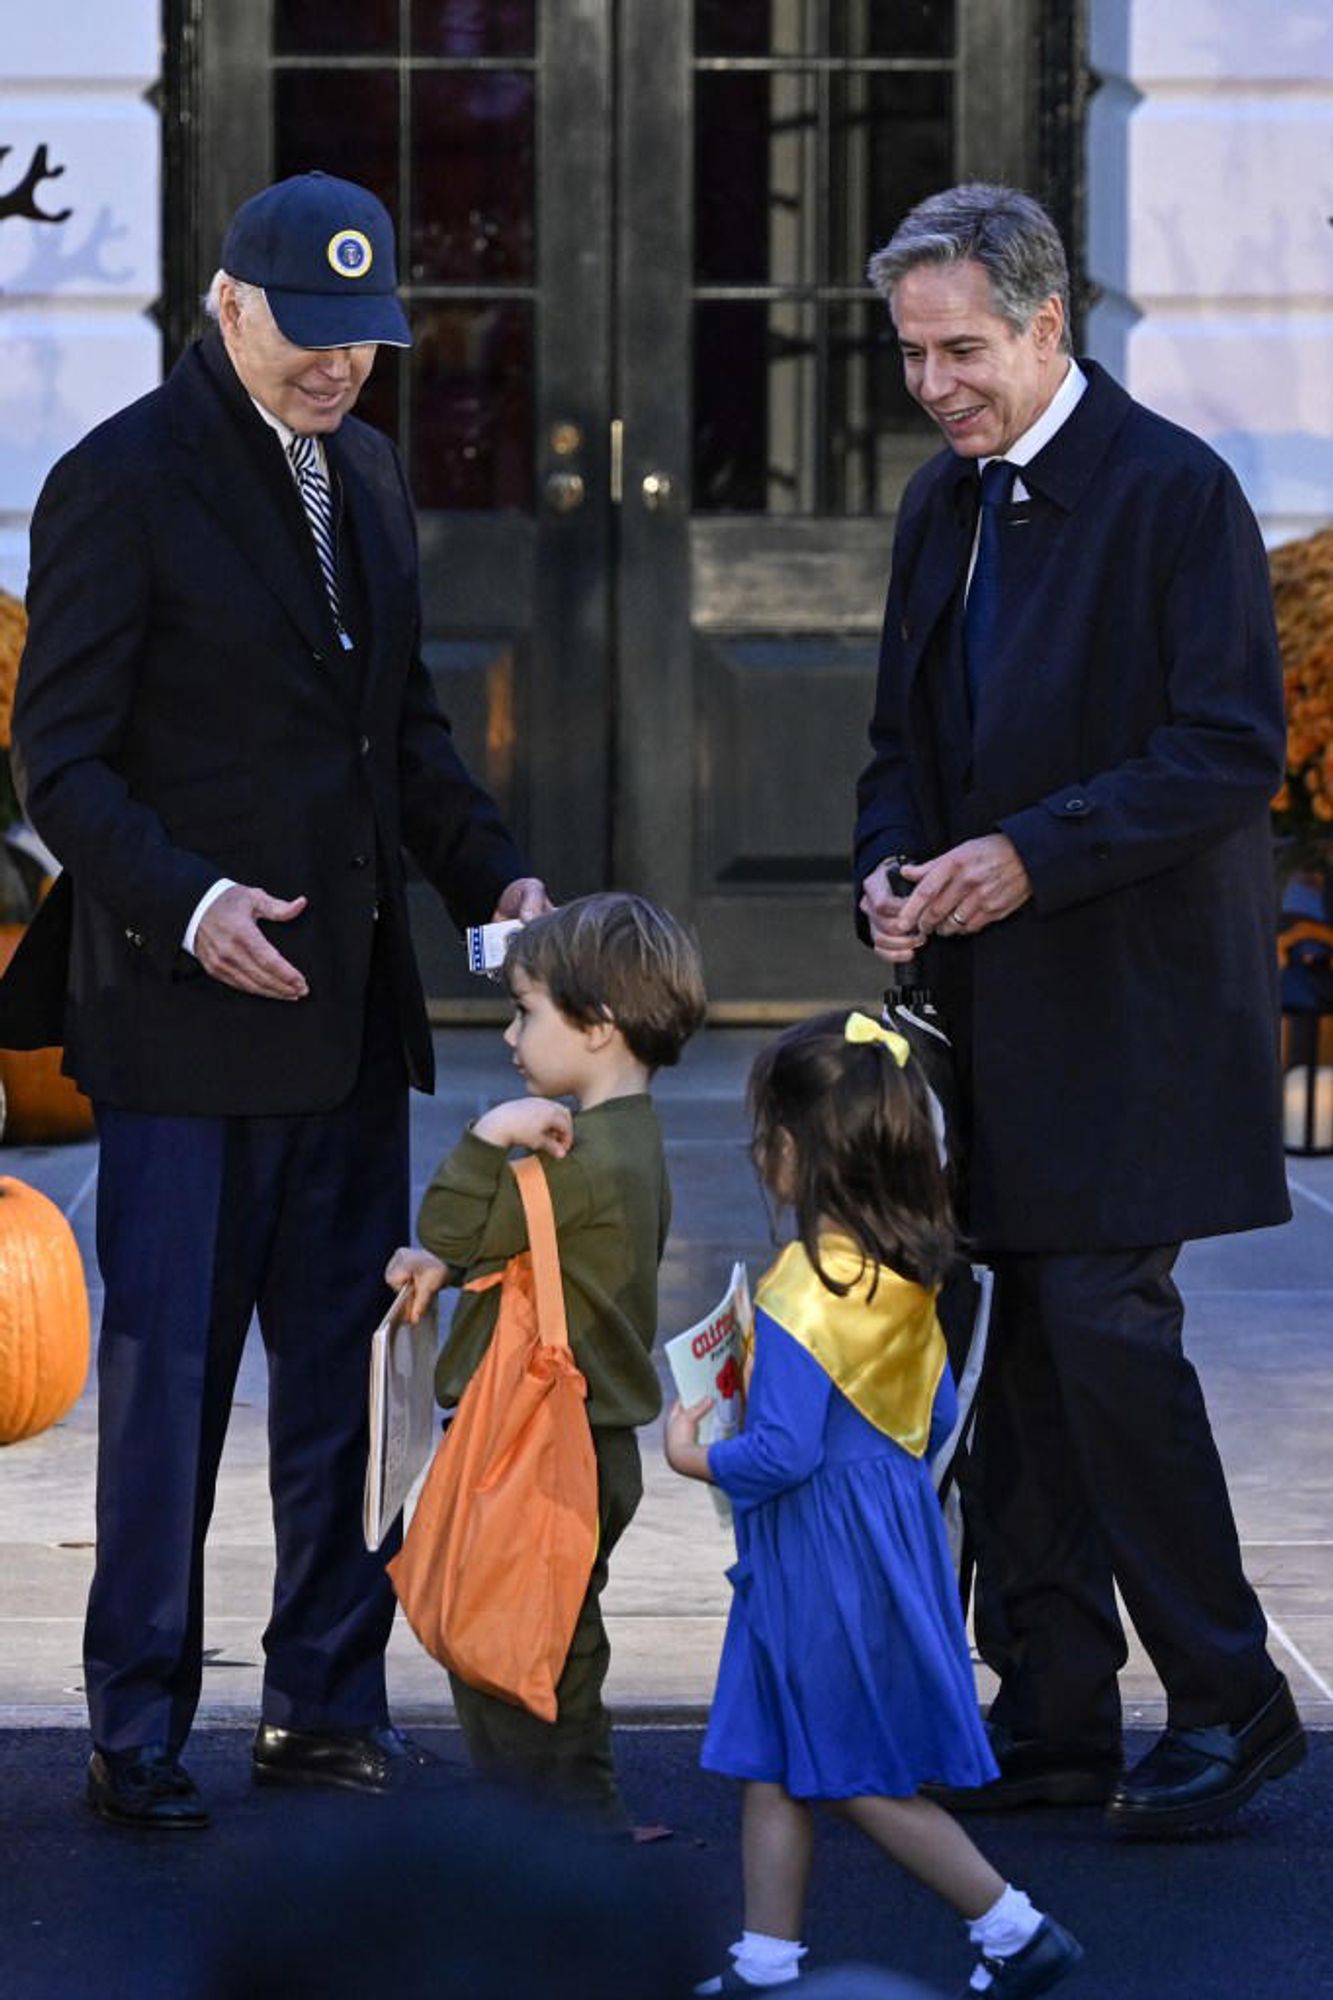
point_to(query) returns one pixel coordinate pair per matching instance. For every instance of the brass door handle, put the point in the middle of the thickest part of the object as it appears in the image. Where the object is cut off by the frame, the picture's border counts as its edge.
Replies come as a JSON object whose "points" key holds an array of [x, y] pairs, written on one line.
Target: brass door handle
{"points": [[658, 490], [564, 491]]}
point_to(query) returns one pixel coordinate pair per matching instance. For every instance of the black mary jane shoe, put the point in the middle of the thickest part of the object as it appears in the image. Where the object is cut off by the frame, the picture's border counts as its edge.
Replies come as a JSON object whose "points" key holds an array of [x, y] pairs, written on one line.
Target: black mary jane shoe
{"points": [[1192, 1777], [1048, 1957], [354, 1760], [730, 1981], [146, 1788]]}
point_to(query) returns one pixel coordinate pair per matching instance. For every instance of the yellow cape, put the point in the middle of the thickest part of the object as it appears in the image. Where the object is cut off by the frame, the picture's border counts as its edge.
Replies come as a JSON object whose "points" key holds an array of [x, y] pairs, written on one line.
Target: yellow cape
{"points": [[885, 1353]]}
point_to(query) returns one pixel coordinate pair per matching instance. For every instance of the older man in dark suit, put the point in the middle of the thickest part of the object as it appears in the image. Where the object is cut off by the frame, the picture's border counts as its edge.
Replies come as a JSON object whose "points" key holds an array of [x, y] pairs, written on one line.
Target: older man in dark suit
{"points": [[228, 737], [1077, 730]]}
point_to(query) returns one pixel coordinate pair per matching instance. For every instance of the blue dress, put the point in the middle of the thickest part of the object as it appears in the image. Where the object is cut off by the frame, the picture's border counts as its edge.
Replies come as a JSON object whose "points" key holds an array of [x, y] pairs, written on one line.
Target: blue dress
{"points": [[845, 1668]]}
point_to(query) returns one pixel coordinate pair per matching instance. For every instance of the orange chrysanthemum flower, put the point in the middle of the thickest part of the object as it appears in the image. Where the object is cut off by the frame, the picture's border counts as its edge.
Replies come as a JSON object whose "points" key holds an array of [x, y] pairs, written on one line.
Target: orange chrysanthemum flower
{"points": [[1302, 576]]}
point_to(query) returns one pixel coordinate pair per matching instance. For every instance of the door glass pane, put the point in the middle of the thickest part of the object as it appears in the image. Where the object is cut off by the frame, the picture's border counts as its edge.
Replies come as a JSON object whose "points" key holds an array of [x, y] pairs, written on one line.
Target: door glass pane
{"points": [[472, 176], [343, 121], [890, 145], [817, 126], [471, 410], [335, 27], [800, 408], [732, 28], [892, 27], [756, 178], [876, 436], [824, 27], [378, 402], [474, 27], [755, 416]]}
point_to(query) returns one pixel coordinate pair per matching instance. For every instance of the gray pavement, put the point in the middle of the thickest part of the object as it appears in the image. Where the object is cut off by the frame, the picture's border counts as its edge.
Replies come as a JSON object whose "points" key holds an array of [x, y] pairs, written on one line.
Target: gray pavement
{"points": [[1260, 1329]]}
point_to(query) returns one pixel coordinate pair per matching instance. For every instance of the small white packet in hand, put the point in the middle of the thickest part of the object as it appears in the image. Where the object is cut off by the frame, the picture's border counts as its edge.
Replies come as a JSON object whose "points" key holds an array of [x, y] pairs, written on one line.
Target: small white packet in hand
{"points": [[486, 944]]}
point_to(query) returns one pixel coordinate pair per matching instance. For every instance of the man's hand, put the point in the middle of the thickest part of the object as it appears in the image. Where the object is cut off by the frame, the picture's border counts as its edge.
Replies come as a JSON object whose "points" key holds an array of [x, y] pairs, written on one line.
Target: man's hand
{"points": [[891, 938], [231, 947], [524, 898], [538, 1123], [962, 891]]}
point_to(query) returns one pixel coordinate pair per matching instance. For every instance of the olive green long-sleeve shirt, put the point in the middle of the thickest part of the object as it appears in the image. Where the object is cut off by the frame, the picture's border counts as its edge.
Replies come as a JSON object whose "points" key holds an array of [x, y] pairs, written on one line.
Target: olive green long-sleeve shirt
{"points": [[612, 1203]]}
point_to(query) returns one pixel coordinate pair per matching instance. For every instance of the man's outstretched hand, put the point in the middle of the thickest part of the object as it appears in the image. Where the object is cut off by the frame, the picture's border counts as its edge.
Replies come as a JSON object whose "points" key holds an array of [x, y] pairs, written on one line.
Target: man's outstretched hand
{"points": [[231, 947]]}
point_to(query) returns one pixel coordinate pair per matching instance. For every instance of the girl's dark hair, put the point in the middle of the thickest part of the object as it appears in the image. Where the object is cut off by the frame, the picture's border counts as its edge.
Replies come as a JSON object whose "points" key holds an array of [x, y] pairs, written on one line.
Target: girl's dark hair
{"points": [[863, 1157]]}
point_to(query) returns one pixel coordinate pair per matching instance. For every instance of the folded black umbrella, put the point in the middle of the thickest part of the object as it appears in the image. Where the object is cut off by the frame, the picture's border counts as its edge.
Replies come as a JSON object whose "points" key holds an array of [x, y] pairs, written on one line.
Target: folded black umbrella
{"points": [[965, 1296]]}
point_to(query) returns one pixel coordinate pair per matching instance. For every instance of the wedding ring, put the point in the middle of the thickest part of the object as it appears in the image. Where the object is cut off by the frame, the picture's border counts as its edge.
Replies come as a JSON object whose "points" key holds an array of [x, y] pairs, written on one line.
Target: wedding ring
{"points": [[954, 918]]}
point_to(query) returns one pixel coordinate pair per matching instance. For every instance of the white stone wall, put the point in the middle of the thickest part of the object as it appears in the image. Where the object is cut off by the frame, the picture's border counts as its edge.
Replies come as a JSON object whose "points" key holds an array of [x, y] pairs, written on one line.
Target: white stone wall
{"points": [[76, 341], [1210, 187]]}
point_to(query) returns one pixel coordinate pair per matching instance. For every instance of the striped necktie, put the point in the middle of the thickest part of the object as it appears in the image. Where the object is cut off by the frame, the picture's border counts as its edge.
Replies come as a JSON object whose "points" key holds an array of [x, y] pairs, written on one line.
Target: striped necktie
{"points": [[983, 594], [314, 489]]}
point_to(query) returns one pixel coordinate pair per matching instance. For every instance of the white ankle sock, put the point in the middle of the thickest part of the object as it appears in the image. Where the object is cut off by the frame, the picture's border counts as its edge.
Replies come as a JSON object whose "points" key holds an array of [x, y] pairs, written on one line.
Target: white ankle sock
{"points": [[767, 1961], [1009, 1924]]}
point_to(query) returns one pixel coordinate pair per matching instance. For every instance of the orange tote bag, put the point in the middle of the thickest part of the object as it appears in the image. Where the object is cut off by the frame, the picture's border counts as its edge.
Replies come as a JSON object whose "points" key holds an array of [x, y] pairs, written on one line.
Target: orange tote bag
{"points": [[495, 1564]]}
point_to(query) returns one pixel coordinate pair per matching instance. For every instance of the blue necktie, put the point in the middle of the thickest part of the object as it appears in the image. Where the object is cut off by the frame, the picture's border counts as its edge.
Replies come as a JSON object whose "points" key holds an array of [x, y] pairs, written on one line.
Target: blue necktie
{"points": [[983, 594], [314, 489]]}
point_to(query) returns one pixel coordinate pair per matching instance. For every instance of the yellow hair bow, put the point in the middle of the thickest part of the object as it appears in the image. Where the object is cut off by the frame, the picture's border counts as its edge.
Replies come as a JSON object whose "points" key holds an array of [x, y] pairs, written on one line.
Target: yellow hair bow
{"points": [[860, 1028]]}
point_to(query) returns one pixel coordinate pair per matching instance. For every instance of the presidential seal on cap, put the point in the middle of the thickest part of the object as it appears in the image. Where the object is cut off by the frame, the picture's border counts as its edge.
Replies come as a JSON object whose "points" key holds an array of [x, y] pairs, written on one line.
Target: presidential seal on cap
{"points": [[323, 251]]}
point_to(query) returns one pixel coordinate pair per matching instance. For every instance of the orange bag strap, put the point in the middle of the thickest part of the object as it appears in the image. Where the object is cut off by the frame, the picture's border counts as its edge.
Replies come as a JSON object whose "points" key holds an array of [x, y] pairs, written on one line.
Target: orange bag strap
{"points": [[536, 1198]]}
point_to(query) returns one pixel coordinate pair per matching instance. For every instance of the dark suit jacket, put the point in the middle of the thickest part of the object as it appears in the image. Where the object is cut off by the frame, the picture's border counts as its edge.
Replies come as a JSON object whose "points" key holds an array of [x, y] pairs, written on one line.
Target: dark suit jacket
{"points": [[184, 711], [1121, 1029]]}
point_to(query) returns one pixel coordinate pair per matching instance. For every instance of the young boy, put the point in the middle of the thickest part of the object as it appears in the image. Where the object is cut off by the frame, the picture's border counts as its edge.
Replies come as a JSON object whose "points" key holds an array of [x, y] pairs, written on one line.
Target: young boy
{"points": [[606, 991]]}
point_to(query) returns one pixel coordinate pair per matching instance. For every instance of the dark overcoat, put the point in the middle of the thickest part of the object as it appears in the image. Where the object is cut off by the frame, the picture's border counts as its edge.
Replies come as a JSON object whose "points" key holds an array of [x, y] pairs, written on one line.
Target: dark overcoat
{"points": [[185, 712], [1121, 1029]]}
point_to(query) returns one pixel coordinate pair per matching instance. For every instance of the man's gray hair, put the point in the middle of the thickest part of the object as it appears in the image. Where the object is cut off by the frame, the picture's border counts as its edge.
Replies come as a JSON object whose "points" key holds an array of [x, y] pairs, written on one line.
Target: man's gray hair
{"points": [[1009, 234], [246, 293]]}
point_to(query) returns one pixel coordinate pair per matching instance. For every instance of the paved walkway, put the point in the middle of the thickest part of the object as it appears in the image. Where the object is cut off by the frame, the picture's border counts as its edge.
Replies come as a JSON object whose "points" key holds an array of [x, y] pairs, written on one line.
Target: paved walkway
{"points": [[1260, 1330]]}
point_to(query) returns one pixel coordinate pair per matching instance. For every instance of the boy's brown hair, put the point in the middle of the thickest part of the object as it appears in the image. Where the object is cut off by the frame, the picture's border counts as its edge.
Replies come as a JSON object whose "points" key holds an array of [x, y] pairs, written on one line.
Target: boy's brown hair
{"points": [[617, 957]]}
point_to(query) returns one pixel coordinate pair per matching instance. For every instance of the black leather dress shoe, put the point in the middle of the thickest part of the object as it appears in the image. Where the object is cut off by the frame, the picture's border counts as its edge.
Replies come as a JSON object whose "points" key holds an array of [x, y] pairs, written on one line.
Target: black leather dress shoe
{"points": [[144, 1788], [355, 1760], [1193, 1776], [1076, 1771]]}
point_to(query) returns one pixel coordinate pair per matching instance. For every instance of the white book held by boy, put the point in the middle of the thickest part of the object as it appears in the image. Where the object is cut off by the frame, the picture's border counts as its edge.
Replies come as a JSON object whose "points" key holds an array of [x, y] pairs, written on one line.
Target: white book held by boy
{"points": [[403, 1422]]}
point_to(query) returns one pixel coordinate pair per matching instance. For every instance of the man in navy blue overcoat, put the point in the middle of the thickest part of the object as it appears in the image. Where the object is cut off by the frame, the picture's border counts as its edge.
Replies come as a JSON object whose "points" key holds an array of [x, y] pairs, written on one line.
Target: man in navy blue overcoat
{"points": [[1078, 728], [228, 737]]}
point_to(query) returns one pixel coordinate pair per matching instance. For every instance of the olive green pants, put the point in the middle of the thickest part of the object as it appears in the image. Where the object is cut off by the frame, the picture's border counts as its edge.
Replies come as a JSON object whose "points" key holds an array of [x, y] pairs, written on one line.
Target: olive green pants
{"points": [[566, 1762]]}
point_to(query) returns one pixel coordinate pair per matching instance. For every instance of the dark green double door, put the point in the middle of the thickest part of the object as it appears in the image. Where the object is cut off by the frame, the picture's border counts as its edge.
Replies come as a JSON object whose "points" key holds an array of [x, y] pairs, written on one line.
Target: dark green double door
{"points": [[655, 430]]}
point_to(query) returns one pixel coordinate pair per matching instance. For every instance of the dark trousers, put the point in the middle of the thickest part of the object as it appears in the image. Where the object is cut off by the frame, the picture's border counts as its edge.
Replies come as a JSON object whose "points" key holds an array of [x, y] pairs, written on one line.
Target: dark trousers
{"points": [[1094, 1466], [567, 1762], [200, 1222]]}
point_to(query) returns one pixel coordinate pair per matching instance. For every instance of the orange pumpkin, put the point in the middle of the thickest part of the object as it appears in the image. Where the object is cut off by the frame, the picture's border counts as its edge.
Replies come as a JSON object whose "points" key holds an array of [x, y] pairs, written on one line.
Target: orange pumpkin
{"points": [[42, 1105], [44, 1318]]}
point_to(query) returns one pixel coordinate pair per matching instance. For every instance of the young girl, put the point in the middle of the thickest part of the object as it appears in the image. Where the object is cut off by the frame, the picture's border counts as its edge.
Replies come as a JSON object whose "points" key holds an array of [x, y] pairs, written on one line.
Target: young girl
{"points": [[845, 1679]]}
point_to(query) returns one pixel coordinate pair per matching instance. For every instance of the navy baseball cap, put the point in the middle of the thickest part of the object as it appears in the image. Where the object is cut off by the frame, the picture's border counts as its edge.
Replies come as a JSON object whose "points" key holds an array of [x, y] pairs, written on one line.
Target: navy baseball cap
{"points": [[323, 251]]}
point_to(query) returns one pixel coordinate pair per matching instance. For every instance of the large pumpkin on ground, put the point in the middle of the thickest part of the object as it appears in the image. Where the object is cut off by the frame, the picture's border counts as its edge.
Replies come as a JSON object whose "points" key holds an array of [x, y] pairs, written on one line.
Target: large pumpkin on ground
{"points": [[44, 1317]]}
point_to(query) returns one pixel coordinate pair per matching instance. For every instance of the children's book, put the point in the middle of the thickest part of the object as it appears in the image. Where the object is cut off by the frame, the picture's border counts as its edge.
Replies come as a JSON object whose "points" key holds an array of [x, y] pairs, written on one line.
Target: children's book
{"points": [[708, 1359], [403, 1424]]}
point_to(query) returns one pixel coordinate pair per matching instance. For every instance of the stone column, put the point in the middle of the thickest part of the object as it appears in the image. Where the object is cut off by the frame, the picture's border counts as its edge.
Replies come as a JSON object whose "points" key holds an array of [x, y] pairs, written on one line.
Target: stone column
{"points": [[1210, 187], [76, 341]]}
